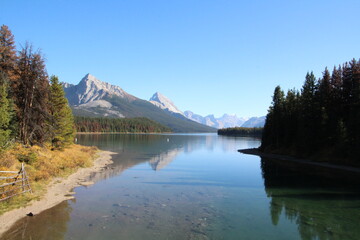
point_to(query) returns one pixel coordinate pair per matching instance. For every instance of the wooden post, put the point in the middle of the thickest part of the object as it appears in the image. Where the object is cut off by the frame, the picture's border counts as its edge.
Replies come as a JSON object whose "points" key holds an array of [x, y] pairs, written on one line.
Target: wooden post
{"points": [[27, 181], [14, 185], [23, 177]]}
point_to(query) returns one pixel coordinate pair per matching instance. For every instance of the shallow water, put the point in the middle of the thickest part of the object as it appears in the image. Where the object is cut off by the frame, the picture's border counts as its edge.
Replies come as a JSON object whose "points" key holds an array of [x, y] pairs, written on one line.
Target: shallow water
{"points": [[198, 187]]}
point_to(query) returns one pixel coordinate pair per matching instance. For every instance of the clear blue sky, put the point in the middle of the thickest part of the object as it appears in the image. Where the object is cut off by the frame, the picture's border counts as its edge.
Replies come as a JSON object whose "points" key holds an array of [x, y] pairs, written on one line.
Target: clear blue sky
{"points": [[207, 56]]}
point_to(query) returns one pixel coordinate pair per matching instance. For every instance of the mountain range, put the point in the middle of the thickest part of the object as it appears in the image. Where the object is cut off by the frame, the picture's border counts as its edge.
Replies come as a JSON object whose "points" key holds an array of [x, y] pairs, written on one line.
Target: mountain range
{"points": [[94, 98], [225, 121]]}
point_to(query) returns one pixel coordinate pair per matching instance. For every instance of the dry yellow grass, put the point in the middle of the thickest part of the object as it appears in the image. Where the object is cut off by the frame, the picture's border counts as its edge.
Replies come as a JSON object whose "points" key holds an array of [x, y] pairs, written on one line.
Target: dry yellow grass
{"points": [[42, 166]]}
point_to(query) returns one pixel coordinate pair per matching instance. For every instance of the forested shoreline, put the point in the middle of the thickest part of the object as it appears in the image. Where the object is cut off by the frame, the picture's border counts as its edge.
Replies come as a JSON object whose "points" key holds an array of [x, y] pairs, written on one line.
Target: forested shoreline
{"points": [[36, 125], [240, 131], [118, 125], [321, 121]]}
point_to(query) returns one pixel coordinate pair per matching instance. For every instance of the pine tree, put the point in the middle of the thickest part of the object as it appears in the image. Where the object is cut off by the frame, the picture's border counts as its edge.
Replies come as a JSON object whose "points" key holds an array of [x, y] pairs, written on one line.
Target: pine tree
{"points": [[8, 60], [324, 98], [5, 112], [309, 115], [273, 133], [62, 121], [291, 118], [31, 97], [354, 114]]}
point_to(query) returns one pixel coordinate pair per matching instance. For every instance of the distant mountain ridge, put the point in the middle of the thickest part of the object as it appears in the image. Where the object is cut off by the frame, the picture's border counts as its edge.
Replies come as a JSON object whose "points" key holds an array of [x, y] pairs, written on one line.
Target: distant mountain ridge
{"points": [[94, 98], [255, 122], [225, 121]]}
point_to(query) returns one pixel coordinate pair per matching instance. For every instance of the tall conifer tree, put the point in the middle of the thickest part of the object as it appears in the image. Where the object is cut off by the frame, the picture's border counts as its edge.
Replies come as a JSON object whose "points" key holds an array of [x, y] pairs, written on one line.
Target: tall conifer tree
{"points": [[31, 97], [62, 121], [5, 112], [8, 73]]}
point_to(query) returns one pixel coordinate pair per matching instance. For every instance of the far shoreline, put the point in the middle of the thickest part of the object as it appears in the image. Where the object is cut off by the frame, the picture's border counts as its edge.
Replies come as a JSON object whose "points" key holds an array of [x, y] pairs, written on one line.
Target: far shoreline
{"points": [[58, 191], [285, 158], [100, 133], [84, 133]]}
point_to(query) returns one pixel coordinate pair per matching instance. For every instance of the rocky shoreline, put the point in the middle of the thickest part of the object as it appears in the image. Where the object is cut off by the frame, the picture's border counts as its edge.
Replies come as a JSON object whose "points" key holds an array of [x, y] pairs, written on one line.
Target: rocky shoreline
{"points": [[59, 190]]}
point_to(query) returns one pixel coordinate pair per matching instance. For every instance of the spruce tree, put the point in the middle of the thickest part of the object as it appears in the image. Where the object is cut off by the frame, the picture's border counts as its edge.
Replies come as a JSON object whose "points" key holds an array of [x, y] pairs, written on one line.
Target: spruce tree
{"points": [[273, 132], [62, 121], [309, 115], [8, 68], [5, 112], [291, 118]]}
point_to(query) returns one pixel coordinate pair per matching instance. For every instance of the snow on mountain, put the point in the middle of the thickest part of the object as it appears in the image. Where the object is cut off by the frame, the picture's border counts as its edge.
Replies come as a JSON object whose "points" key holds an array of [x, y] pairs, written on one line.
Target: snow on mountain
{"points": [[255, 122], [223, 122], [165, 103], [195, 117], [227, 121], [210, 120]]}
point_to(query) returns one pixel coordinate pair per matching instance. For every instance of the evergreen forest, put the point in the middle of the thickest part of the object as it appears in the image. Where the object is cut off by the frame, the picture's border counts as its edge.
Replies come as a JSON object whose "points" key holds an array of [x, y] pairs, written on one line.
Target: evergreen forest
{"points": [[321, 121], [120, 125], [33, 107], [241, 131]]}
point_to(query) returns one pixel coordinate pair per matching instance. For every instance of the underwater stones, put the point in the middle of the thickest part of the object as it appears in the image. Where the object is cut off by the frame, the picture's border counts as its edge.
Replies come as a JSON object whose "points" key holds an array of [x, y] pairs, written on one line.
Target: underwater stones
{"points": [[69, 194], [86, 184]]}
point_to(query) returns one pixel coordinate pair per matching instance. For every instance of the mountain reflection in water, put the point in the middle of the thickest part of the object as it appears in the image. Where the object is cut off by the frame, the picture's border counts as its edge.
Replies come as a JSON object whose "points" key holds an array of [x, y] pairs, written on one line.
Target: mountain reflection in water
{"points": [[168, 186]]}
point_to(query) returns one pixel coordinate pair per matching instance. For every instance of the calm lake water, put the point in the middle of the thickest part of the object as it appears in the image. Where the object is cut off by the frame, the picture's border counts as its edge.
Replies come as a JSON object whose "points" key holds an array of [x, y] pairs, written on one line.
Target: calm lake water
{"points": [[199, 187]]}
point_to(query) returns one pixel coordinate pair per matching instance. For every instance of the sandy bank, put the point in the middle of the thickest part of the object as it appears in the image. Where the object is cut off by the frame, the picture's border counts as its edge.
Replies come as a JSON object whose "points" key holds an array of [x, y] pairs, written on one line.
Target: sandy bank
{"points": [[255, 151], [59, 190]]}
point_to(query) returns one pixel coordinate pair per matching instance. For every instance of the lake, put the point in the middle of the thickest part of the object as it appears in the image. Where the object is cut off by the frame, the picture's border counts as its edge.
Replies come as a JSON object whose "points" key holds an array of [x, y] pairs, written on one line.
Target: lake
{"points": [[197, 186]]}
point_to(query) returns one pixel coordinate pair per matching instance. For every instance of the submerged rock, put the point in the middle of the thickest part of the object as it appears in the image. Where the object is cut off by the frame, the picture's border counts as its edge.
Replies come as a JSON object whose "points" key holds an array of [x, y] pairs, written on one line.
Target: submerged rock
{"points": [[85, 184]]}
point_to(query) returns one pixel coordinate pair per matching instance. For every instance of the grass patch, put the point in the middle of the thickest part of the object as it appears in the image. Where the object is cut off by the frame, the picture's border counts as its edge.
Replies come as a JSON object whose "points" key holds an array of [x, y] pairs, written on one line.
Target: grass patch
{"points": [[42, 165]]}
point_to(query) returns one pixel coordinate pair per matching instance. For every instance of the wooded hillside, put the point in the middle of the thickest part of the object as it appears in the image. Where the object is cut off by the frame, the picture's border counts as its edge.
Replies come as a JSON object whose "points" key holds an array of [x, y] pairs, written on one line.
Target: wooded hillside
{"points": [[241, 131], [122, 125]]}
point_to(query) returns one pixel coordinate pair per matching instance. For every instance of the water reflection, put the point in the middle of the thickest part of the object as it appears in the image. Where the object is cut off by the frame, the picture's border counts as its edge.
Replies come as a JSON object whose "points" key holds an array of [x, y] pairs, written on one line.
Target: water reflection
{"points": [[199, 187], [163, 159], [324, 205], [55, 219], [156, 149], [152, 209], [157, 143]]}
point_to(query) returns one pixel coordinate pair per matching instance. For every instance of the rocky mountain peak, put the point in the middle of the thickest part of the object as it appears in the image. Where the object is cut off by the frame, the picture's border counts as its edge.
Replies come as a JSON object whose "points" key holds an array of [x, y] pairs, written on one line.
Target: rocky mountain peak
{"points": [[165, 103], [91, 89], [158, 97]]}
